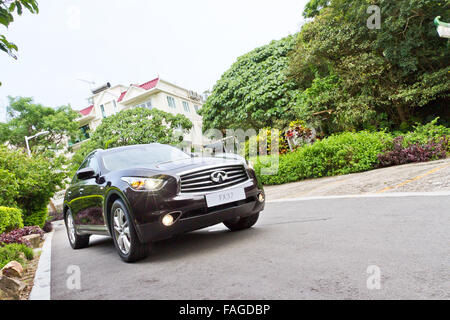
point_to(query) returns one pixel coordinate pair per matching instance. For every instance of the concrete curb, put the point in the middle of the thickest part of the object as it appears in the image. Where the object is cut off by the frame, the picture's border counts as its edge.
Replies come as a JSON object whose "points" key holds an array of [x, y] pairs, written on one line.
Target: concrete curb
{"points": [[41, 286], [380, 195]]}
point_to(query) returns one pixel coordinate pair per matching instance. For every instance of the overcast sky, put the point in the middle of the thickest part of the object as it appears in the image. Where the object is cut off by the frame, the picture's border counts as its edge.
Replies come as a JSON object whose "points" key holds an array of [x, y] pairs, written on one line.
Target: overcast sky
{"points": [[190, 43]]}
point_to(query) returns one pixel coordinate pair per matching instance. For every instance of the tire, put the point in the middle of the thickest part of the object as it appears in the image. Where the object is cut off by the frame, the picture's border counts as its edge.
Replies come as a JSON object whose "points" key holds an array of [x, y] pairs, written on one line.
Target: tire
{"points": [[126, 240], [76, 241], [242, 223]]}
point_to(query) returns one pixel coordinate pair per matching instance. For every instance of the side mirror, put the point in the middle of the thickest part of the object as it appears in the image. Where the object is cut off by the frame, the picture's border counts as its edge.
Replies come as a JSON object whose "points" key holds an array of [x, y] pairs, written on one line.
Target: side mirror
{"points": [[86, 173]]}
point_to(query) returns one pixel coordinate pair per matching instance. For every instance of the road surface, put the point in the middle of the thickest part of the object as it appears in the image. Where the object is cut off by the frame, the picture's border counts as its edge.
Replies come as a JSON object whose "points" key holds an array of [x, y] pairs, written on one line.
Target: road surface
{"points": [[310, 249]]}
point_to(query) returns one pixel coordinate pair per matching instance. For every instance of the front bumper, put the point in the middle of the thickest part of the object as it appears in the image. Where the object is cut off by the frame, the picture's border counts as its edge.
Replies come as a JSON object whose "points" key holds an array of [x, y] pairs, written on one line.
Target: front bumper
{"points": [[194, 213]]}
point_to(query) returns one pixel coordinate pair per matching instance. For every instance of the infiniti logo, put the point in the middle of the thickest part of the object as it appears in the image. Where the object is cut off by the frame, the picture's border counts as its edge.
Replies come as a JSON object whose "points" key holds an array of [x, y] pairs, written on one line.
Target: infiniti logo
{"points": [[219, 176]]}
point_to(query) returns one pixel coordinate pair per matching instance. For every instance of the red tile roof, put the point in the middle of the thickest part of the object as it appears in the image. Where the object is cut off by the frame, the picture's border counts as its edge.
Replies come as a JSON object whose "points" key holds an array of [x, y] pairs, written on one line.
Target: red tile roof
{"points": [[86, 111], [146, 86], [149, 85], [122, 95]]}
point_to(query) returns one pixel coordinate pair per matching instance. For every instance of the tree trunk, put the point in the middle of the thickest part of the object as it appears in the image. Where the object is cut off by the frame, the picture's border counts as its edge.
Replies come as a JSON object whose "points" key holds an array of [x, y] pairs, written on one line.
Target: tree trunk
{"points": [[401, 113]]}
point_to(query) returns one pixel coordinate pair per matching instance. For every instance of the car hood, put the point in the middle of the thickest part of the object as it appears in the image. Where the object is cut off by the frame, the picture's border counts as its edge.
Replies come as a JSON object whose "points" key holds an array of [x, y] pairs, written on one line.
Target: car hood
{"points": [[194, 163]]}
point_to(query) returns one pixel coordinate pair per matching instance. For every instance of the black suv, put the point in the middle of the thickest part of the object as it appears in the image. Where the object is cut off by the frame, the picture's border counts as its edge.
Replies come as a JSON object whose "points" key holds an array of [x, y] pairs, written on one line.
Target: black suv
{"points": [[145, 193]]}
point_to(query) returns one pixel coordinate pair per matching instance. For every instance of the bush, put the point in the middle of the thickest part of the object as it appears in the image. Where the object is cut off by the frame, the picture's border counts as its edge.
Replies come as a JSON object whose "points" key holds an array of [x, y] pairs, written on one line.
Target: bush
{"points": [[424, 134], [10, 219], [48, 226], [433, 150], [37, 218], [336, 155], [12, 252], [37, 180], [8, 188], [15, 236]]}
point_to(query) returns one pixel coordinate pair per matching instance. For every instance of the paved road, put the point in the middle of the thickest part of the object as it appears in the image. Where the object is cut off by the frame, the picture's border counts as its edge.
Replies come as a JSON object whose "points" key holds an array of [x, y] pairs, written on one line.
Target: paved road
{"points": [[431, 176], [311, 249]]}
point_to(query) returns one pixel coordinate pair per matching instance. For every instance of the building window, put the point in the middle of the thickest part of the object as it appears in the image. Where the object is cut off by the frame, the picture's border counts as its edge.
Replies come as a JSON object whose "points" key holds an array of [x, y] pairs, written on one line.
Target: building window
{"points": [[115, 106], [102, 108], [196, 108], [186, 106], [147, 105], [171, 102]]}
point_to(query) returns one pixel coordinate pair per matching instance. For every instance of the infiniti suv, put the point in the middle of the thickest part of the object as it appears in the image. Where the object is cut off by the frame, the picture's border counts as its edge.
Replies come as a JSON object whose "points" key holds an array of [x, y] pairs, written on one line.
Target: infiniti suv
{"points": [[146, 193]]}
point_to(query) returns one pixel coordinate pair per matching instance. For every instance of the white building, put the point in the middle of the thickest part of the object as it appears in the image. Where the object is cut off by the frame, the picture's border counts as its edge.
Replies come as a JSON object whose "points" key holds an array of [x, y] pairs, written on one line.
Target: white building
{"points": [[157, 93]]}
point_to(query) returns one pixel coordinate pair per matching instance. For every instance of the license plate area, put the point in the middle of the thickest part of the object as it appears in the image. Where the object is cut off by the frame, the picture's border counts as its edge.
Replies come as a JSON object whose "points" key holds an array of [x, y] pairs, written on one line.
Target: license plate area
{"points": [[225, 196]]}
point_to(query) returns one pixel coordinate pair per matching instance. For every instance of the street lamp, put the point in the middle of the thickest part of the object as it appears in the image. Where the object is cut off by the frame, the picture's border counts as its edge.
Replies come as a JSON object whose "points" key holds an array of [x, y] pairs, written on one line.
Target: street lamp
{"points": [[35, 136], [443, 28]]}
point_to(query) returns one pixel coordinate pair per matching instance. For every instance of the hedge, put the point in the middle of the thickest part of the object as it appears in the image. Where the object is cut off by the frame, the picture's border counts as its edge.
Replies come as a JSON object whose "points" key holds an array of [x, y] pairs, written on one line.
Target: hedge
{"points": [[336, 155], [10, 219]]}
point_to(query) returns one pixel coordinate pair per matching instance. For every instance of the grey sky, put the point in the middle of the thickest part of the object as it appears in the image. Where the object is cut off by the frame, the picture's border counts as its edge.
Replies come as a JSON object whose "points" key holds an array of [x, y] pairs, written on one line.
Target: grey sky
{"points": [[190, 43]]}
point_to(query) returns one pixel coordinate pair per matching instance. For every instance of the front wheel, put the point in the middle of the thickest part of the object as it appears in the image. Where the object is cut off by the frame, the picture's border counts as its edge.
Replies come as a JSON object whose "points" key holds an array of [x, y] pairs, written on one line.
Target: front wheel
{"points": [[125, 237], [242, 223], [76, 241]]}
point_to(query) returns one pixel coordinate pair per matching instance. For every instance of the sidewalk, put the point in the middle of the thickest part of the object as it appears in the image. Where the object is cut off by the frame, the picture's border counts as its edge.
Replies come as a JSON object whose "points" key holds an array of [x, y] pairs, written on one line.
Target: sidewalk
{"points": [[417, 177]]}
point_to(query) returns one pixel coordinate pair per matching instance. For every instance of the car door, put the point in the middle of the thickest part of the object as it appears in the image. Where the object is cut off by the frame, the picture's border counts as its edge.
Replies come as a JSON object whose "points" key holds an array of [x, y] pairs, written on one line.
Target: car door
{"points": [[89, 203]]}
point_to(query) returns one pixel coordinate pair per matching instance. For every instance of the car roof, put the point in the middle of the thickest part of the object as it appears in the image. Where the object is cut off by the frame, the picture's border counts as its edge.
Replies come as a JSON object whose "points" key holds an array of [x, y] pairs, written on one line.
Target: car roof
{"points": [[136, 146]]}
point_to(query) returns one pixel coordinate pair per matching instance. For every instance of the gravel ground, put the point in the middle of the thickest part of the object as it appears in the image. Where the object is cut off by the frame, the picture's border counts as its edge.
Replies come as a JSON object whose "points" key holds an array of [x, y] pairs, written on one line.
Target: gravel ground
{"points": [[418, 177]]}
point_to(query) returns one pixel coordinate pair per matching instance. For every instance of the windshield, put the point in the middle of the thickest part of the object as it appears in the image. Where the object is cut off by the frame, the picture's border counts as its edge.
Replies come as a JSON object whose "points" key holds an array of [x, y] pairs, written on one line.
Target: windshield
{"points": [[142, 157]]}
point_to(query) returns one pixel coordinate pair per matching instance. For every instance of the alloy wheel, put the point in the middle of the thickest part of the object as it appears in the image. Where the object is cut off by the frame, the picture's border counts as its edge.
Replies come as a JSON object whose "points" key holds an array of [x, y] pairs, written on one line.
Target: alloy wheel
{"points": [[71, 228], [122, 231]]}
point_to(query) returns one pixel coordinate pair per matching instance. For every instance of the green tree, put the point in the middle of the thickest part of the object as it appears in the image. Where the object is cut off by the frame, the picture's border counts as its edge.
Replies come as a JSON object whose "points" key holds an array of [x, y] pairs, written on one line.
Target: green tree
{"points": [[371, 78], [135, 126], [254, 92], [7, 9], [27, 118]]}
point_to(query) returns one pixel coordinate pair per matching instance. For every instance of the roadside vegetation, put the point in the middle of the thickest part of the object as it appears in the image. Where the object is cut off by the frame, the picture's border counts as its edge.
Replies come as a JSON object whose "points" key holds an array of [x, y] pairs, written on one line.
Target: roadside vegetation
{"points": [[374, 97], [338, 75], [351, 152]]}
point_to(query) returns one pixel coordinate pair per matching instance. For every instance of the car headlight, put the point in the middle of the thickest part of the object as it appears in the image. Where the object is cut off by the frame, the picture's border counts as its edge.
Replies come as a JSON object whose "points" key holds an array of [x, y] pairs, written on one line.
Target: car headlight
{"points": [[251, 165], [149, 184]]}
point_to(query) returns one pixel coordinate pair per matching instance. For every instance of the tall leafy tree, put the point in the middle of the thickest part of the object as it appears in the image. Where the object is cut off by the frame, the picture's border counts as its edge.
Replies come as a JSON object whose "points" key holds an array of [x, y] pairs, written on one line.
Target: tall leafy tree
{"points": [[393, 75], [135, 126], [254, 92], [26, 118]]}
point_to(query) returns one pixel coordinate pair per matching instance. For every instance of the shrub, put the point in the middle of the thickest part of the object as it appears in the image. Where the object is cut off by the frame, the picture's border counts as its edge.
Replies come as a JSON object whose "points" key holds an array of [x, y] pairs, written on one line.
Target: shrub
{"points": [[433, 150], [37, 180], [8, 188], [10, 219], [47, 226], [422, 134], [336, 155], [15, 236], [37, 218], [12, 252]]}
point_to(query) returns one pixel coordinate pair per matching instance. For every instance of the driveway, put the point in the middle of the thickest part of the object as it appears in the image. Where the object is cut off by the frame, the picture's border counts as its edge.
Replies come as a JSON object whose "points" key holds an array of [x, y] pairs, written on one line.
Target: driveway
{"points": [[308, 249]]}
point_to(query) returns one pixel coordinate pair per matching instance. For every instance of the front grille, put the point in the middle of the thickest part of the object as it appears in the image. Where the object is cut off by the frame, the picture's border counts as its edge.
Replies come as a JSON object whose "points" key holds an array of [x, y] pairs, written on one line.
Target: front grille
{"points": [[204, 210], [200, 181]]}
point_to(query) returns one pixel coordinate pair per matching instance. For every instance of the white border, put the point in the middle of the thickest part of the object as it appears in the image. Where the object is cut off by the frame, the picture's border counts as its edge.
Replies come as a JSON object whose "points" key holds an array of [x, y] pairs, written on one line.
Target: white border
{"points": [[41, 286]]}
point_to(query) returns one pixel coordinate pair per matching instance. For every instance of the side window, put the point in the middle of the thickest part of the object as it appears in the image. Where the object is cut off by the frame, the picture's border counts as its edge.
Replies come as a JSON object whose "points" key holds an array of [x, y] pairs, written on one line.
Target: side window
{"points": [[83, 165], [92, 163]]}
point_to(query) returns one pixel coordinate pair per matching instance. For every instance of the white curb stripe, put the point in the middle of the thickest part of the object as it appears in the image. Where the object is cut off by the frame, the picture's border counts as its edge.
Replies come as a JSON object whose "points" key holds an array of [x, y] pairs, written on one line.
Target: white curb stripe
{"points": [[380, 195], [41, 287]]}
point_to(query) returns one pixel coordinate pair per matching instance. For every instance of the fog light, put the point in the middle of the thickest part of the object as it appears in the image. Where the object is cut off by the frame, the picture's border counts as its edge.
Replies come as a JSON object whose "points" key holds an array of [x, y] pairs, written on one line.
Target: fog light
{"points": [[261, 197], [168, 220]]}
